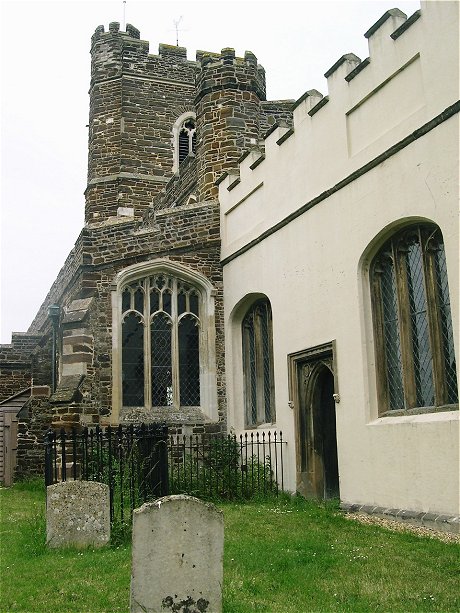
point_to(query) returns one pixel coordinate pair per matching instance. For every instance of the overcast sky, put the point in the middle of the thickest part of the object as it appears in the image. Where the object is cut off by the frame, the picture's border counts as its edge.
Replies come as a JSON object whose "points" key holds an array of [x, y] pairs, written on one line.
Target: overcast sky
{"points": [[45, 73]]}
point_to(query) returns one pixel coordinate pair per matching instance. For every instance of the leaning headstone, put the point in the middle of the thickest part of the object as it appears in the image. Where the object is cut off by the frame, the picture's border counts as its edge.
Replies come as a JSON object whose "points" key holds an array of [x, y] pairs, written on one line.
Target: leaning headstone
{"points": [[177, 565], [77, 514]]}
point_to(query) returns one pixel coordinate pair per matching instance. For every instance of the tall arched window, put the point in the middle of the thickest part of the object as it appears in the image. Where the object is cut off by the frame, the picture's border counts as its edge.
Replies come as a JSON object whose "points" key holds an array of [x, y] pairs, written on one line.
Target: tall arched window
{"points": [[160, 342], [258, 364], [412, 321]]}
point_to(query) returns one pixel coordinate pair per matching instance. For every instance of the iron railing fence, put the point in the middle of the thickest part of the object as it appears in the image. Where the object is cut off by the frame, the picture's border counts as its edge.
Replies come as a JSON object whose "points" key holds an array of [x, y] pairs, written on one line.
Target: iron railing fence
{"points": [[142, 463], [227, 467], [133, 462]]}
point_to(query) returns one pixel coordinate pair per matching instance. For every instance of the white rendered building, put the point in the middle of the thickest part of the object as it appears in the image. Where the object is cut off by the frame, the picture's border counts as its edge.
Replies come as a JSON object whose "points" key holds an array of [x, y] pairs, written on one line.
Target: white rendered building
{"points": [[340, 247]]}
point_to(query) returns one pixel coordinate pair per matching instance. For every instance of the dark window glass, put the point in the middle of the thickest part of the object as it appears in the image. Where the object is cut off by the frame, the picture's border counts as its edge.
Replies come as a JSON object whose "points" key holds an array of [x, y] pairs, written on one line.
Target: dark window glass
{"points": [[139, 300], [187, 139], [133, 361], [194, 142], [161, 360], [423, 361], [266, 353], [446, 320], [189, 361], [183, 144], [154, 301], [251, 372], [167, 302], [161, 366], [181, 303], [194, 304], [160, 282], [413, 325], [258, 364], [125, 300], [392, 339]]}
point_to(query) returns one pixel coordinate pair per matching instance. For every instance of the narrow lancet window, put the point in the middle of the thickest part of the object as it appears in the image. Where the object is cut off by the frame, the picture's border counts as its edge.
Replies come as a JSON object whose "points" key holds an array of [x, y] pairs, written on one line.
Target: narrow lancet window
{"points": [[258, 364], [133, 360], [161, 362], [189, 362]]}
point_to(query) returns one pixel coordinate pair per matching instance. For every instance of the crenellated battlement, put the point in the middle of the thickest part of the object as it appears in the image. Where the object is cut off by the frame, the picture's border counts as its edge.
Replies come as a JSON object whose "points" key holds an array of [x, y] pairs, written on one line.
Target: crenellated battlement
{"points": [[369, 106], [228, 96], [114, 28], [136, 100], [226, 69], [115, 52], [350, 80]]}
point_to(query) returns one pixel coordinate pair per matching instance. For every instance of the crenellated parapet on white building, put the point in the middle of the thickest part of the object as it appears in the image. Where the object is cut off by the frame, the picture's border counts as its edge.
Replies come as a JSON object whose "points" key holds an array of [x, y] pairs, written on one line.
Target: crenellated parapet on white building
{"points": [[344, 229]]}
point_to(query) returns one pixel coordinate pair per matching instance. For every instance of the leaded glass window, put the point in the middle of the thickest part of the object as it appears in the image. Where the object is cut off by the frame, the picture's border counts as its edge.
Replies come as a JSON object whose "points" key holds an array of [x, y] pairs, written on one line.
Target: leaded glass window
{"points": [[258, 364], [412, 321], [160, 342]]}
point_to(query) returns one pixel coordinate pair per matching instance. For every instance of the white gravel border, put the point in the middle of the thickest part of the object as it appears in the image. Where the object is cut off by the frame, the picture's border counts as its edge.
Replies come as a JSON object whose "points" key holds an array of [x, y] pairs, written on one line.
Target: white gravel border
{"points": [[397, 526]]}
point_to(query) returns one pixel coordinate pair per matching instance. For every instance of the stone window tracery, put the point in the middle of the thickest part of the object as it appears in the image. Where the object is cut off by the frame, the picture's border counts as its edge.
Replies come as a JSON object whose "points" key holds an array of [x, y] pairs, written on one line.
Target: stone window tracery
{"points": [[412, 321], [160, 342], [258, 364]]}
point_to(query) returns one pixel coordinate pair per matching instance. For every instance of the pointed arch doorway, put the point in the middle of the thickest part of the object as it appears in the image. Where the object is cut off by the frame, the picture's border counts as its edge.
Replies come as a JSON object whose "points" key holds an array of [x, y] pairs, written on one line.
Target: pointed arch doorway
{"points": [[314, 394]]}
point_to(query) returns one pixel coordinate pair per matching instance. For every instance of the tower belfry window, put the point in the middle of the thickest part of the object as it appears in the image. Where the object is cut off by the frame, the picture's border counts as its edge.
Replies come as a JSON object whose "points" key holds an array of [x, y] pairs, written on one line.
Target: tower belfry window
{"points": [[187, 139]]}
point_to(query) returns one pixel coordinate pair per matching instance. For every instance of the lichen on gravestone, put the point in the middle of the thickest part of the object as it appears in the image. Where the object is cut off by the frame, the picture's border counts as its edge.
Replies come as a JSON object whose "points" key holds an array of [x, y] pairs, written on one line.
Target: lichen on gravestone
{"points": [[177, 556], [77, 514]]}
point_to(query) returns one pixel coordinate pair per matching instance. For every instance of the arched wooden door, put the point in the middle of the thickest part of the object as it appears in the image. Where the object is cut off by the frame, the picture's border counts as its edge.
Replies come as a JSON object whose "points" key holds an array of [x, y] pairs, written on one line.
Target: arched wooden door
{"points": [[316, 435]]}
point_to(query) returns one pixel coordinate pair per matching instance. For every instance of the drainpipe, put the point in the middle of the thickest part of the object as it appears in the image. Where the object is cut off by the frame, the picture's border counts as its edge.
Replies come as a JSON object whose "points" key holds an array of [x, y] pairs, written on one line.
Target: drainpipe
{"points": [[53, 314]]}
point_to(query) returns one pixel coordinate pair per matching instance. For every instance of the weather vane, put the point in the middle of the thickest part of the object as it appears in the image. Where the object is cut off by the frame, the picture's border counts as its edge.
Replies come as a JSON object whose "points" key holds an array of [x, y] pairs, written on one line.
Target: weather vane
{"points": [[176, 25]]}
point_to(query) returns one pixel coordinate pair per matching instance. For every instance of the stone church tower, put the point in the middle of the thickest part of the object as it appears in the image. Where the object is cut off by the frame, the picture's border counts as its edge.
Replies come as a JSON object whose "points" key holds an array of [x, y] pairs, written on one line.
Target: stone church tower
{"points": [[135, 329]]}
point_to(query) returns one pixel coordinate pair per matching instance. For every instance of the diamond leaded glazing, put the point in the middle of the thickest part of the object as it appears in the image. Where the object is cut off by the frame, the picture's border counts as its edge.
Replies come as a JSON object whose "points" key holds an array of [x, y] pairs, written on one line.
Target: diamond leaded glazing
{"points": [[423, 360], [391, 333], [445, 319], [412, 320], [160, 343], [258, 364]]}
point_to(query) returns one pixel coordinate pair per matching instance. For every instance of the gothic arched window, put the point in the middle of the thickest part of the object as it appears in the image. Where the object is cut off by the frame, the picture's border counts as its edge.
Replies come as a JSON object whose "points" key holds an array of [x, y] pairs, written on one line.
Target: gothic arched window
{"points": [[412, 321], [187, 139], [258, 364], [160, 342], [183, 138]]}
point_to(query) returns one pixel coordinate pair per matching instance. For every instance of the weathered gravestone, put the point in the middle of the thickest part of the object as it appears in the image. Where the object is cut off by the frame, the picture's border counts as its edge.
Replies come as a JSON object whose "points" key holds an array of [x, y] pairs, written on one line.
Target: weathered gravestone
{"points": [[77, 514], [177, 565]]}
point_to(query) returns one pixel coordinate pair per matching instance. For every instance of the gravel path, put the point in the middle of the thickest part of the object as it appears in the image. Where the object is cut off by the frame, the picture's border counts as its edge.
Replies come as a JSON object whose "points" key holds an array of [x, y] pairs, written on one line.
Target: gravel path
{"points": [[397, 526]]}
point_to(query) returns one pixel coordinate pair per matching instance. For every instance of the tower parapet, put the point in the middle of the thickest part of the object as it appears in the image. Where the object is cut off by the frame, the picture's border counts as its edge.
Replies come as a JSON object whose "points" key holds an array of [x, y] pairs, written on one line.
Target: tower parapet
{"points": [[135, 97], [228, 94], [372, 108]]}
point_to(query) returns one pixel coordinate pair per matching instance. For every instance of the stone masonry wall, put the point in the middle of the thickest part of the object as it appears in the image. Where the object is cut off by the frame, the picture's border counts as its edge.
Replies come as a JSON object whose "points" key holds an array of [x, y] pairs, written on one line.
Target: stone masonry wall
{"points": [[66, 278], [189, 235], [16, 363], [229, 91], [34, 422], [178, 189], [274, 111], [135, 98]]}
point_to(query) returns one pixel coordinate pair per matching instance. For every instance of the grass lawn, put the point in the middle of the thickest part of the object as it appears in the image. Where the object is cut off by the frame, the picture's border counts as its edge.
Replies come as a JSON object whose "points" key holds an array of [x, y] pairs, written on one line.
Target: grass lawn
{"points": [[287, 556]]}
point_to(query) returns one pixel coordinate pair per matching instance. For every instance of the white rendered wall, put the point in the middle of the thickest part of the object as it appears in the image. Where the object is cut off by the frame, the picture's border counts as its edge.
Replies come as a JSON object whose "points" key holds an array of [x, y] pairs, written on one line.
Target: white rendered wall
{"points": [[314, 269]]}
